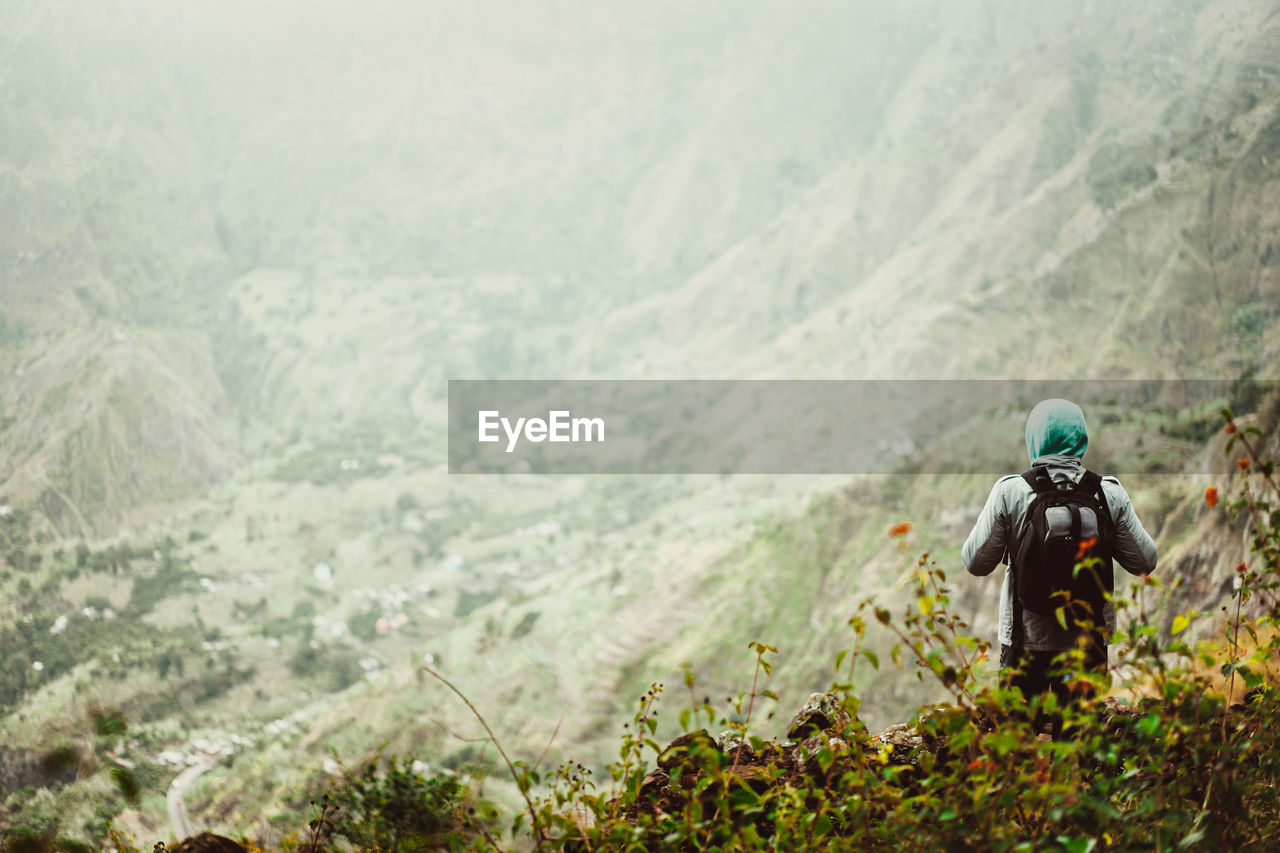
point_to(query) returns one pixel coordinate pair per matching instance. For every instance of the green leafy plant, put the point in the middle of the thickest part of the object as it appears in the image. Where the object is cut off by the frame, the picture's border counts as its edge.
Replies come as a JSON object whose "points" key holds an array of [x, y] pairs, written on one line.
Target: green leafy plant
{"points": [[388, 805]]}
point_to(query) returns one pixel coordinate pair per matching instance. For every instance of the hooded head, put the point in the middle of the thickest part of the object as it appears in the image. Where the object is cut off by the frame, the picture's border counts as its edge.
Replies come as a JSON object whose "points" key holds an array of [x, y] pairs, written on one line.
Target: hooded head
{"points": [[1056, 426]]}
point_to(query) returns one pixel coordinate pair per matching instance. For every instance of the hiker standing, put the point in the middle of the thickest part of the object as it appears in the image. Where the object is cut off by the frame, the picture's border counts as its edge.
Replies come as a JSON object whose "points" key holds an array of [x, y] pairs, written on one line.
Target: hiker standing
{"points": [[1048, 520]]}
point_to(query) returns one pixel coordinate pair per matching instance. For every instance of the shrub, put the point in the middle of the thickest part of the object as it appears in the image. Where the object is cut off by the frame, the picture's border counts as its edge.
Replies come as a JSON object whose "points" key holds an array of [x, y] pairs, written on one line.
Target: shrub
{"points": [[394, 807]]}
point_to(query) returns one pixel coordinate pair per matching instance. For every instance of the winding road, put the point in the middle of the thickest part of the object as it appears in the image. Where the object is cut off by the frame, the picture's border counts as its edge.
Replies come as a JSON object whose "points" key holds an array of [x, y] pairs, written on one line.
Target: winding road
{"points": [[178, 817]]}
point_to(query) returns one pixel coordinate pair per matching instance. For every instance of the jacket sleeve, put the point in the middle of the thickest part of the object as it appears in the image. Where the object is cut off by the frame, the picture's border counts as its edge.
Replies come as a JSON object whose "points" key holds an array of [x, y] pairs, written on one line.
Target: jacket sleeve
{"points": [[985, 547], [1133, 549]]}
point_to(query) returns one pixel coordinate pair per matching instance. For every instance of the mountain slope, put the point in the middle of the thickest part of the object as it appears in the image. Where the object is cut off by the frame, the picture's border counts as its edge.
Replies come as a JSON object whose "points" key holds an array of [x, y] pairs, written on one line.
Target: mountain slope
{"points": [[1122, 167]]}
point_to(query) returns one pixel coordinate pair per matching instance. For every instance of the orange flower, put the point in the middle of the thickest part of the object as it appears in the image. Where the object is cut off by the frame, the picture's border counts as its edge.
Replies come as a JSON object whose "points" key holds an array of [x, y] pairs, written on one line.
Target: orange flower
{"points": [[900, 529], [1242, 464], [1084, 546], [1230, 427], [1211, 496]]}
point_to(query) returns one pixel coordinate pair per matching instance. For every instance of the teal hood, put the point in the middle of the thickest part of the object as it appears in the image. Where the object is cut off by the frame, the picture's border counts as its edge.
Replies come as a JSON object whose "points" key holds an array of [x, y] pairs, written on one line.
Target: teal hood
{"points": [[1056, 427]]}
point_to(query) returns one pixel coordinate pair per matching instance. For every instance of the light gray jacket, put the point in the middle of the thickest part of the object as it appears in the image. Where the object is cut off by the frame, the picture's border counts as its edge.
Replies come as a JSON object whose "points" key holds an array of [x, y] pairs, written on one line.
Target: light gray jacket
{"points": [[1000, 526]]}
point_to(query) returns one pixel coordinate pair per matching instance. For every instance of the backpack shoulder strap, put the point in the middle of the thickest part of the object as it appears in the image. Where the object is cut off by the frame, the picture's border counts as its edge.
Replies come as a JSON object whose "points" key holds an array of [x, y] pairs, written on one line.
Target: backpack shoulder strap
{"points": [[1092, 483], [1038, 479]]}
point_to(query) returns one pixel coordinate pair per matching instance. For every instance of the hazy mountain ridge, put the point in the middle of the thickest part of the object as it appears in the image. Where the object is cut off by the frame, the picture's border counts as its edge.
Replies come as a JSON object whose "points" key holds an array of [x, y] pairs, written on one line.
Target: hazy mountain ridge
{"points": [[1004, 183], [556, 172], [997, 219]]}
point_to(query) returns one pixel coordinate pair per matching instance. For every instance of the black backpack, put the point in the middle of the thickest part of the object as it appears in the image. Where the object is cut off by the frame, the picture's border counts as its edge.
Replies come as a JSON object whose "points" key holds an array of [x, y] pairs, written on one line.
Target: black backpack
{"points": [[1060, 518]]}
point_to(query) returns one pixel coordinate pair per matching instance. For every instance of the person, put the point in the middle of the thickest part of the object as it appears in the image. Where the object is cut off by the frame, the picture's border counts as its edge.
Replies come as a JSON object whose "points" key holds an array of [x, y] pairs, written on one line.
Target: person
{"points": [[1032, 645]]}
